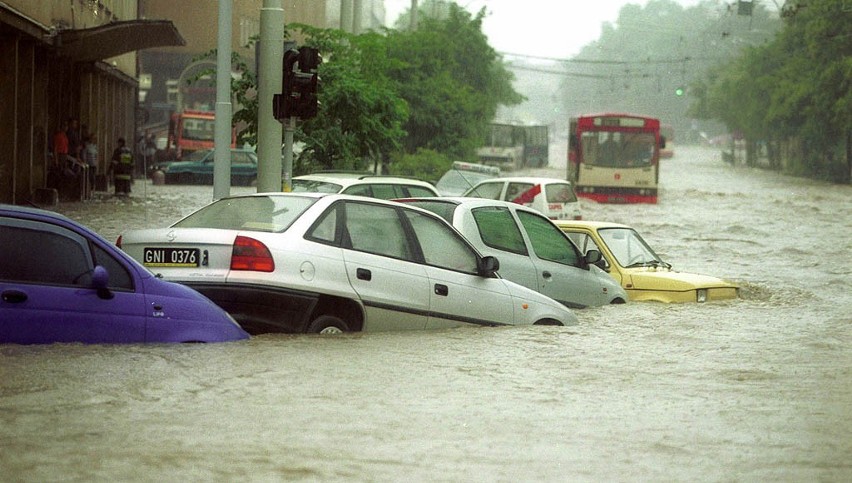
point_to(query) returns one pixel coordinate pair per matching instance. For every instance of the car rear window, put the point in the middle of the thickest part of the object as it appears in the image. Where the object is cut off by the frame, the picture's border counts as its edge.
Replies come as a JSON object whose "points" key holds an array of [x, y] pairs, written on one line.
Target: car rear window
{"points": [[443, 209], [252, 213], [560, 193]]}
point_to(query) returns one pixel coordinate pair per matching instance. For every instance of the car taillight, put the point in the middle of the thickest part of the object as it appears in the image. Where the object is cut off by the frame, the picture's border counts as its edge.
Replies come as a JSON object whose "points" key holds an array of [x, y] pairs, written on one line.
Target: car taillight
{"points": [[118, 242], [250, 254]]}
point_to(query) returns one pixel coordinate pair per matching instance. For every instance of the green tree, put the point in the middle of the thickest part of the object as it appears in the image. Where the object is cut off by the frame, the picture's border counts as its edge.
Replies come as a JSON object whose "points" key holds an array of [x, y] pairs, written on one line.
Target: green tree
{"points": [[793, 91], [361, 112], [452, 80]]}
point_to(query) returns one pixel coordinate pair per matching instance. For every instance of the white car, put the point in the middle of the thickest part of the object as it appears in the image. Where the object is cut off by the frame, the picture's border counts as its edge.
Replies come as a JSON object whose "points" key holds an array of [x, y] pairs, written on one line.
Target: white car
{"points": [[311, 262], [532, 250], [463, 176], [370, 185], [553, 197]]}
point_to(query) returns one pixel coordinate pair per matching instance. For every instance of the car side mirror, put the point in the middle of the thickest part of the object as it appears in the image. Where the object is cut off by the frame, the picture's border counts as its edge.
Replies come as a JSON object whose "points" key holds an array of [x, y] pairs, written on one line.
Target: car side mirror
{"points": [[100, 281], [594, 257], [488, 266], [662, 142]]}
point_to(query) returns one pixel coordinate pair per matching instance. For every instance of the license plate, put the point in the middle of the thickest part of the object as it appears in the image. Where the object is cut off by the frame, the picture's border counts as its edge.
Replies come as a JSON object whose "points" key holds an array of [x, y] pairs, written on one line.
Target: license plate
{"points": [[170, 257]]}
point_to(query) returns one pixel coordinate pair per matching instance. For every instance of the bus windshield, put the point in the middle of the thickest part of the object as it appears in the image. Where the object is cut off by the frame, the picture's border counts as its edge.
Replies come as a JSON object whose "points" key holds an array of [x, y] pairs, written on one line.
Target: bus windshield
{"points": [[198, 129], [618, 149]]}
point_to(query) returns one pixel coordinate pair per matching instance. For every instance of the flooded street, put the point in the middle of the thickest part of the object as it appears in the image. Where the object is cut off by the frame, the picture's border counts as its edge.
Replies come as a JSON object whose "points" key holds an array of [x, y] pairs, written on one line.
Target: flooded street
{"points": [[756, 389]]}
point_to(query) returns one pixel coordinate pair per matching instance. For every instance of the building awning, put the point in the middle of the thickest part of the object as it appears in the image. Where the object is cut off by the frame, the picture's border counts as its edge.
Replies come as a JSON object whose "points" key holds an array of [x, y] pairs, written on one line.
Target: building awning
{"points": [[116, 38]]}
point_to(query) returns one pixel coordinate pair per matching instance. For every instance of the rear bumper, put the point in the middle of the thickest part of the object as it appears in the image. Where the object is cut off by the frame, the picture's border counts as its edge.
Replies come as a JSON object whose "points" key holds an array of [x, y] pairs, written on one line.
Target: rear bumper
{"points": [[261, 309]]}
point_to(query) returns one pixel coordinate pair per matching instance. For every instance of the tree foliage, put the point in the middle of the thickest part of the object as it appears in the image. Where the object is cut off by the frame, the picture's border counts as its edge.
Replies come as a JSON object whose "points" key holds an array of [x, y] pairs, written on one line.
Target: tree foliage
{"points": [[387, 94], [793, 91], [452, 79], [641, 60]]}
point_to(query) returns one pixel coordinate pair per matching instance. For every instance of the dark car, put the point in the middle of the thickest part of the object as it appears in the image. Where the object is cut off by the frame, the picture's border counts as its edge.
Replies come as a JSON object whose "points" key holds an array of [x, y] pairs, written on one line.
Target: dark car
{"points": [[197, 168], [62, 282]]}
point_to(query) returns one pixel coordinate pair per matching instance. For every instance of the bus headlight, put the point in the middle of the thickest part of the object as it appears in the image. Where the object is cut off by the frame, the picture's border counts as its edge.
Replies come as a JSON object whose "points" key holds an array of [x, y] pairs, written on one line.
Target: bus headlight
{"points": [[702, 295]]}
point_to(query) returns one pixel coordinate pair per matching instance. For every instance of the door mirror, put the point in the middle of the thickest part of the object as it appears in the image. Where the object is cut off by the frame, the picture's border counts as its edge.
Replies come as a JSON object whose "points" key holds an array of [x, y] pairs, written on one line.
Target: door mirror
{"points": [[594, 257], [100, 281], [487, 266], [662, 142]]}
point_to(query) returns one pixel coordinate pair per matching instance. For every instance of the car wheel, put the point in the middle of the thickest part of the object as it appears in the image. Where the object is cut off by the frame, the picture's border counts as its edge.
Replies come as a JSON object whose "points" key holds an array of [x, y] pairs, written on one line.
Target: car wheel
{"points": [[328, 324]]}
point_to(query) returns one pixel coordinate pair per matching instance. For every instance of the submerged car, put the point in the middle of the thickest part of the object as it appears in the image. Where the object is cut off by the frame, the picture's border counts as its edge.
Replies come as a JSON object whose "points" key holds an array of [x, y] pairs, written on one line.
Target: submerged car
{"points": [[329, 263], [62, 282], [532, 250], [553, 197], [197, 168], [362, 184], [463, 176], [642, 273]]}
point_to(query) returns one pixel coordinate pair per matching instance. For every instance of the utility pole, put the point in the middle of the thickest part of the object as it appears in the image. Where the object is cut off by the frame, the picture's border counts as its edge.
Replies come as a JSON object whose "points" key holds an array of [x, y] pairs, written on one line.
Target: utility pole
{"points": [[223, 130], [268, 128]]}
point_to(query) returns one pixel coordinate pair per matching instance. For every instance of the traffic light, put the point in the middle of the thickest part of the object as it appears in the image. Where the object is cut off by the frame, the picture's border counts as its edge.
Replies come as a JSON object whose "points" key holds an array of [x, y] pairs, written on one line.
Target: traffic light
{"points": [[308, 82], [282, 104], [299, 96], [680, 91]]}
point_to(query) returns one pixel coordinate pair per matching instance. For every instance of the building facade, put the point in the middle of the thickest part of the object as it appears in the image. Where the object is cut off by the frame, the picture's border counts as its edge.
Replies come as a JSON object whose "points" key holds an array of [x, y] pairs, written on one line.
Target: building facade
{"points": [[62, 59], [114, 65]]}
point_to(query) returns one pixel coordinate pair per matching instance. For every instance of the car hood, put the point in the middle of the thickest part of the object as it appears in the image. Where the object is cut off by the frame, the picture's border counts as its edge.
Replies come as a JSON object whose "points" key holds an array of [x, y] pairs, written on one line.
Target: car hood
{"points": [[650, 278]]}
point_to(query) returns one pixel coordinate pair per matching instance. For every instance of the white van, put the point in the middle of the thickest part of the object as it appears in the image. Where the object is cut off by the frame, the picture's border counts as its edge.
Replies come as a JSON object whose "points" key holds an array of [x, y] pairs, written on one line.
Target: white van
{"points": [[552, 197]]}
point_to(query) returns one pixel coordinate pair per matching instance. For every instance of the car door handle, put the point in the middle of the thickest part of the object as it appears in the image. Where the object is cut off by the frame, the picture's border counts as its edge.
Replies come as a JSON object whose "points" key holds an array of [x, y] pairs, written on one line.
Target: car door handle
{"points": [[441, 289], [363, 274], [546, 274], [14, 296]]}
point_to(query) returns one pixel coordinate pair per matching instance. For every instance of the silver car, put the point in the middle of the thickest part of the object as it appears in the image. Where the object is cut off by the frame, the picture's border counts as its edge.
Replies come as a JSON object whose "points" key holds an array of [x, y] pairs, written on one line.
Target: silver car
{"points": [[532, 250], [311, 262]]}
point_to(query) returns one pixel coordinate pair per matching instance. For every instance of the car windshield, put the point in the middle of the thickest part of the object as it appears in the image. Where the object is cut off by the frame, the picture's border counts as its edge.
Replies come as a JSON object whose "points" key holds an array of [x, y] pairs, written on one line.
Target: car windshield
{"points": [[253, 213], [629, 248], [456, 182], [314, 186]]}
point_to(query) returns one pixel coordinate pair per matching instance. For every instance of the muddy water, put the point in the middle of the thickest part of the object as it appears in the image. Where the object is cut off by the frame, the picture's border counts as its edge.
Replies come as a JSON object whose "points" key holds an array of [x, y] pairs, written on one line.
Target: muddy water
{"points": [[757, 389]]}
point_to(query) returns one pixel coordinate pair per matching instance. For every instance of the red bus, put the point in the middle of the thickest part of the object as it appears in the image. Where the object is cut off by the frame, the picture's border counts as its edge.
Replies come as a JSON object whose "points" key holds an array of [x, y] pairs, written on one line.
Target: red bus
{"points": [[192, 130], [615, 158]]}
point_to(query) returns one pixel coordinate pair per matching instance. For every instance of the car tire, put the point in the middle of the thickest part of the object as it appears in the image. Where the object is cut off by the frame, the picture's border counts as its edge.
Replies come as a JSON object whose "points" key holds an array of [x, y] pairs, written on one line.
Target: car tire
{"points": [[328, 324]]}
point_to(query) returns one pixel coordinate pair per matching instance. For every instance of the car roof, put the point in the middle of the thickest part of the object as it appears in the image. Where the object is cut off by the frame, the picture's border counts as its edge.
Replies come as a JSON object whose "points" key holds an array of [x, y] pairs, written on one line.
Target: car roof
{"points": [[473, 202], [33, 212], [593, 225], [349, 179], [527, 179]]}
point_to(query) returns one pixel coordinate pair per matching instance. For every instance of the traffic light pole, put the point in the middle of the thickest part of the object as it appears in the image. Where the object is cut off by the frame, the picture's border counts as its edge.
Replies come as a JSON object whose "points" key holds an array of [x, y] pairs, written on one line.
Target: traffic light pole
{"points": [[269, 83]]}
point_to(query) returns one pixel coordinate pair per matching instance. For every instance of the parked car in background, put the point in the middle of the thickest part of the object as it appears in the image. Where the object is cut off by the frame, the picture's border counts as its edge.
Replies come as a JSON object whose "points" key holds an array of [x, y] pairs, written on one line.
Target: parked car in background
{"points": [[328, 263], [361, 184], [62, 282], [532, 250], [197, 168], [553, 197], [463, 176], [642, 273]]}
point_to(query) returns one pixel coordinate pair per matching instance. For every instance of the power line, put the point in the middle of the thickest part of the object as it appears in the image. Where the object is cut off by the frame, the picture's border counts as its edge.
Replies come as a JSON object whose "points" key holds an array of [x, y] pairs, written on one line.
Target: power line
{"points": [[612, 62]]}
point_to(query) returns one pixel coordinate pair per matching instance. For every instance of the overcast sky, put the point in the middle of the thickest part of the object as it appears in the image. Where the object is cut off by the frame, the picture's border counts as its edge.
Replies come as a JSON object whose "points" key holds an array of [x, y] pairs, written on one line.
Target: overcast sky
{"points": [[545, 28]]}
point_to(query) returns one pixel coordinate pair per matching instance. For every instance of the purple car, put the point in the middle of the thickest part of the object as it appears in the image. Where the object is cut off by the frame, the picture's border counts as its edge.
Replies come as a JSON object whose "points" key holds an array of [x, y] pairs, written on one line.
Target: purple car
{"points": [[62, 282]]}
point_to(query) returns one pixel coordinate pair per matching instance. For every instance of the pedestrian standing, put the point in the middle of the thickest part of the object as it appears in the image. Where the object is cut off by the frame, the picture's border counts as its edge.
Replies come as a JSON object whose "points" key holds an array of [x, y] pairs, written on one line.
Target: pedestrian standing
{"points": [[90, 156], [75, 141], [122, 167], [60, 146]]}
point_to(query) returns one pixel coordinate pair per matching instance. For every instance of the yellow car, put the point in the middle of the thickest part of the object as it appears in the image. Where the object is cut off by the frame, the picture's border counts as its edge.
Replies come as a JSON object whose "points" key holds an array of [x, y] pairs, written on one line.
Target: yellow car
{"points": [[642, 273]]}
